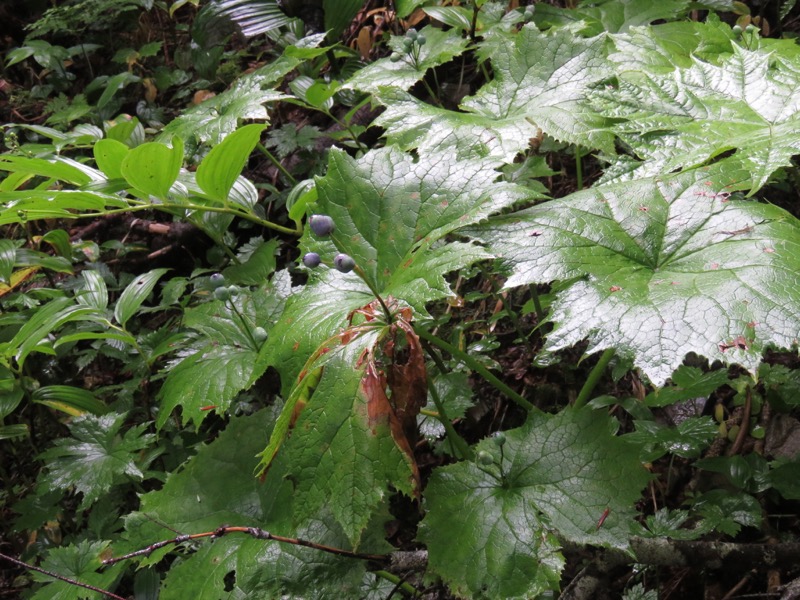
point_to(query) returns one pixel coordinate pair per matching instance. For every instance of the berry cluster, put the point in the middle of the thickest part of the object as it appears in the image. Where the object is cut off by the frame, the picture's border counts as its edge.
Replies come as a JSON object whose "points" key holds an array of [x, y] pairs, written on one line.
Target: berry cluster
{"points": [[412, 42], [323, 226]]}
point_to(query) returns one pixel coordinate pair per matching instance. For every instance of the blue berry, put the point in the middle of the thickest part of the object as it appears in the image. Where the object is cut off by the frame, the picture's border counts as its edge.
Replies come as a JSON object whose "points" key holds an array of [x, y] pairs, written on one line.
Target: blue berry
{"points": [[322, 225], [344, 263], [311, 260]]}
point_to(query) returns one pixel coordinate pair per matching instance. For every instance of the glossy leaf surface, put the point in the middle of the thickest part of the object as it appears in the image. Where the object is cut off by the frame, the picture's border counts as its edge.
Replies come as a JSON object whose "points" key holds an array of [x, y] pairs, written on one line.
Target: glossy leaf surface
{"points": [[559, 475], [664, 266]]}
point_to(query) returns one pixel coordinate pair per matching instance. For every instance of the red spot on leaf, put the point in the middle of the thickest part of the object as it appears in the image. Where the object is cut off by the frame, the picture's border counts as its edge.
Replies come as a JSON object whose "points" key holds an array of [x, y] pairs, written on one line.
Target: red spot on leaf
{"points": [[615, 288]]}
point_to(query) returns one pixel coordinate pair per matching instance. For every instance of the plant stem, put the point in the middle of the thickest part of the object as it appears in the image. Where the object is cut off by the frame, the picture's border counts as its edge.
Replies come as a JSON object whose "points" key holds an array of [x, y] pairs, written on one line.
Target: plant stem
{"points": [[475, 366], [578, 168], [360, 272], [188, 206], [594, 378], [400, 583], [537, 304], [274, 160], [458, 443]]}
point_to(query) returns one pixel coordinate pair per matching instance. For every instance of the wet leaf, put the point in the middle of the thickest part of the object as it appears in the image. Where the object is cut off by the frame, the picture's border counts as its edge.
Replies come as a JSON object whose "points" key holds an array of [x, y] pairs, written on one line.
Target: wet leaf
{"points": [[492, 535], [665, 267]]}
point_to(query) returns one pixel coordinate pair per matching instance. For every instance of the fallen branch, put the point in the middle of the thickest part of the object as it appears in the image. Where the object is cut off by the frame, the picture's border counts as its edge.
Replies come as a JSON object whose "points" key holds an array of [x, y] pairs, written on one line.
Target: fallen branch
{"points": [[61, 577], [259, 534]]}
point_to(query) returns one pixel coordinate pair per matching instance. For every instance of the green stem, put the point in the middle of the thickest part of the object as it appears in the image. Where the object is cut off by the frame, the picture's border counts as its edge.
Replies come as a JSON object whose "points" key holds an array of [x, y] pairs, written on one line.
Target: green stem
{"points": [[594, 378], [347, 128], [189, 206], [578, 168], [475, 366], [245, 324], [274, 160], [458, 443], [403, 585], [360, 272], [537, 304]]}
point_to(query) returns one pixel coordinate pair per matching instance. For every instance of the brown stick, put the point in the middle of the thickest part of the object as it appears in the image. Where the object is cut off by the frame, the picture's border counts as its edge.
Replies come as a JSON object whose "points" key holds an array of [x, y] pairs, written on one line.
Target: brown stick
{"points": [[259, 534], [60, 577]]}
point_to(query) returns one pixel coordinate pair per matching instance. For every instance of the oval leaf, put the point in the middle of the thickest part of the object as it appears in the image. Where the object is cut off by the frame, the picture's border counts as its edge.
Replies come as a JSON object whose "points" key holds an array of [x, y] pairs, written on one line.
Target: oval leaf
{"points": [[137, 292], [152, 168], [220, 168]]}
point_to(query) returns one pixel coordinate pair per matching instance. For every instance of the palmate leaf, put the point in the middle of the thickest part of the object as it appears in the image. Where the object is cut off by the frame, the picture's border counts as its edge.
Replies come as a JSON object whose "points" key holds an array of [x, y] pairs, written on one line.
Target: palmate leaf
{"points": [[665, 266], [217, 487], [440, 47], [80, 562], [389, 210], [347, 448], [610, 16], [96, 457], [540, 83], [222, 362], [686, 117], [490, 537]]}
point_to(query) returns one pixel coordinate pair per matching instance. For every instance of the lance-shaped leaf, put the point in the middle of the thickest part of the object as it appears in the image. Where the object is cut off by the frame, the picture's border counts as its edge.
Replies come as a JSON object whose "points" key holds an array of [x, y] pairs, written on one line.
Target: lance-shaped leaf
{"points": [[665, 266], [684, 118], [489, 531]]}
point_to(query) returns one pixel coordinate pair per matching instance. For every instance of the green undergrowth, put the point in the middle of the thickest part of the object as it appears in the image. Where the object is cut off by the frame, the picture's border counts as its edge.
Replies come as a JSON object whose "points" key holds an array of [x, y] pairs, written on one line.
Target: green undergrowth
{"points": [[331, 382]]}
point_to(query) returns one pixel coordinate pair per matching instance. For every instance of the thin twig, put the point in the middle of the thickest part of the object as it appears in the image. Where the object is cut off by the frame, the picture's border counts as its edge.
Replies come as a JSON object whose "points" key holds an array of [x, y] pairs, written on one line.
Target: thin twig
{"points": [[61, 577], [257, 533]]}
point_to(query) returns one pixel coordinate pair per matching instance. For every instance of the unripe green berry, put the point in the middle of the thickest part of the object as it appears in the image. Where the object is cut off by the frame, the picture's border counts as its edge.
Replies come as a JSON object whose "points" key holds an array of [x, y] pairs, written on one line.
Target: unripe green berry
{"points": [[407, 43], [485, 458], [421, 41], [344, 263], [322, 225], [396, 57], [233, 290], [260, 335], [737, 29], [222, 293], [311, 260], [499, 439], [217, 280], [412, 33]]}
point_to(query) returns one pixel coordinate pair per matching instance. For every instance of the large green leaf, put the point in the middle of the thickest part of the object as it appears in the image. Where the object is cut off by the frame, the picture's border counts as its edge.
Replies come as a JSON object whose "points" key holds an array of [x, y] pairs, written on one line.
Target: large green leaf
{"points": [[612, 16], [216, 118], [342, 450], [747, 103], [223, 361], [388, 207], [540, 85], [96, 457], [490, 535], [216, 488], [389, 210], [440, 47], [80, 562], [664, 266], [223, 165]]}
